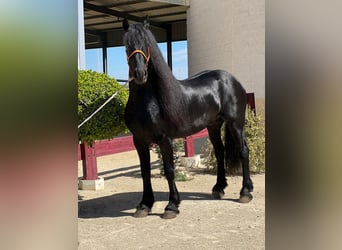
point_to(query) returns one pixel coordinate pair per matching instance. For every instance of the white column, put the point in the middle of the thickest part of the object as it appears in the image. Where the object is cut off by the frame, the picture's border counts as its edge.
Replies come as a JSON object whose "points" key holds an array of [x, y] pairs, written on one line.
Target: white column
{"points": [[81, 39]]}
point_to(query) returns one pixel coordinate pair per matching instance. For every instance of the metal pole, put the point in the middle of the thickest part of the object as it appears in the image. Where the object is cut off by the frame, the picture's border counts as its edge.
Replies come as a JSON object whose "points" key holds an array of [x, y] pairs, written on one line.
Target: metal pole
{"points": [[104, 53], [169, 45]]}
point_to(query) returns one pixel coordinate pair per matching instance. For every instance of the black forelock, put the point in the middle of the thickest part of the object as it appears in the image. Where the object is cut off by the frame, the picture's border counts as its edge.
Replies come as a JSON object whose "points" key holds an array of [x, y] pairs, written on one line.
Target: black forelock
{"points": [[140, 37], [137, 36]]}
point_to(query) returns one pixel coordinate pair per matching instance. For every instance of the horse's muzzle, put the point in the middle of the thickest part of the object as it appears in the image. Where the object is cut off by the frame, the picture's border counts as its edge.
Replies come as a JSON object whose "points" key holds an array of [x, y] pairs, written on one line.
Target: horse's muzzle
{"points": [[140, 76]]}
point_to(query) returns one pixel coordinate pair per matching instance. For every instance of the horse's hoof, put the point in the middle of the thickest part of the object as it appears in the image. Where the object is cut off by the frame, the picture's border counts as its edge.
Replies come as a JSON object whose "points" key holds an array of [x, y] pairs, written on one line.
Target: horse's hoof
{"points": [[217, 194], [170, 214], [142, 211], [245, 198]]}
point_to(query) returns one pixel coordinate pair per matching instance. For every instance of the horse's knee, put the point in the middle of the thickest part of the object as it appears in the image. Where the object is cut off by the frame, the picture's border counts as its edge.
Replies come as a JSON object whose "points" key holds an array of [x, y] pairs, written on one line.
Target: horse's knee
{"points": [[244, 153]]}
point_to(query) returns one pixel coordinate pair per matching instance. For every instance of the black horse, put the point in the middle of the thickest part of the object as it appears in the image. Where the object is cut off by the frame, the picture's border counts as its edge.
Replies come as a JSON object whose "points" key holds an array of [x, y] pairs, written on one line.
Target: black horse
{"points": [[161, 108]]}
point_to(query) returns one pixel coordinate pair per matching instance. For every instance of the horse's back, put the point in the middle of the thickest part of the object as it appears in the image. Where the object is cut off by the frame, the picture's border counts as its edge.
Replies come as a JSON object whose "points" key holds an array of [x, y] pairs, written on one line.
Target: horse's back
{"points": [[209, 76], [220, 81], [219, 91]]}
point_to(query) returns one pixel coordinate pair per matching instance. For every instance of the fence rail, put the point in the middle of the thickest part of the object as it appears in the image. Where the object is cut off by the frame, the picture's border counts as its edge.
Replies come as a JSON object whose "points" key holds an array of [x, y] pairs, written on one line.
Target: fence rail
{"points": [[125, 143]]}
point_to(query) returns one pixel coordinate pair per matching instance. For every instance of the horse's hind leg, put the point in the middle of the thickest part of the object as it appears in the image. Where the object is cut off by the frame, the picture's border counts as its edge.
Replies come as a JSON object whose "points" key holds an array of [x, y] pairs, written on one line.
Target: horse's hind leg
{"points": [[238, 138], [214, 131], [145, 206]]}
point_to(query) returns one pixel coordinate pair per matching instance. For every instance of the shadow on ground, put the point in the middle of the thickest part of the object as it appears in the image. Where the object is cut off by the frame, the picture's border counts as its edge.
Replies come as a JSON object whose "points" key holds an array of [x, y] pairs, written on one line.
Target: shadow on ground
{"points": [[117, 205], [131, 171]]}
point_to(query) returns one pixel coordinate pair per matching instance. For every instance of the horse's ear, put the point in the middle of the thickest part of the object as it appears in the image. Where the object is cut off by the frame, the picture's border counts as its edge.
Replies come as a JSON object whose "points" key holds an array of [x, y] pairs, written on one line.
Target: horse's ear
{"points": [[147, 22], [125, 24]]}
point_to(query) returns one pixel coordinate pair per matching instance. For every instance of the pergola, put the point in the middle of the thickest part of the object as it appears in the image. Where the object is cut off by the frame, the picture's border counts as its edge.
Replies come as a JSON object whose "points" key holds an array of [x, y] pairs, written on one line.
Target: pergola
{"points": [[100, 23]]}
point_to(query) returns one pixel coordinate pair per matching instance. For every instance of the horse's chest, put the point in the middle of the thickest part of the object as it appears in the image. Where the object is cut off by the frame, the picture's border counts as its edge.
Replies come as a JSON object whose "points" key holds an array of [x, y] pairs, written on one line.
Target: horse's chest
{"points": [[144, 114]]}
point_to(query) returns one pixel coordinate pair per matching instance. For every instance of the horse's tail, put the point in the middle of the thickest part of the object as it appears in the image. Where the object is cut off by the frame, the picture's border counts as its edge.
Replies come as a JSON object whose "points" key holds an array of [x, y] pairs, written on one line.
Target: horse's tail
{"points": [[232, 154]]}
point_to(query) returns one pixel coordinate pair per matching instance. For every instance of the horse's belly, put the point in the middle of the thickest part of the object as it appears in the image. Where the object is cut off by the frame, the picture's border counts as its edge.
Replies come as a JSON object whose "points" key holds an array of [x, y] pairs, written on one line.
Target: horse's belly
{"points": [[189, 127]]}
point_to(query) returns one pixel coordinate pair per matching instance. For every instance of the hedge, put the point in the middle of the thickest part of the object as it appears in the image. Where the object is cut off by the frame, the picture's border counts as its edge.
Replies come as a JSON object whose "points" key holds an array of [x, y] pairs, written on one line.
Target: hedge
{"points": [[93, 90]]}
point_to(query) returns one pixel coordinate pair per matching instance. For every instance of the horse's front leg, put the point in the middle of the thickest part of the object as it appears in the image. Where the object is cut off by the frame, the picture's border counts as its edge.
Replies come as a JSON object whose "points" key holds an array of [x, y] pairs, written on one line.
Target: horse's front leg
{"points": [[171, 210], [145, 206]]}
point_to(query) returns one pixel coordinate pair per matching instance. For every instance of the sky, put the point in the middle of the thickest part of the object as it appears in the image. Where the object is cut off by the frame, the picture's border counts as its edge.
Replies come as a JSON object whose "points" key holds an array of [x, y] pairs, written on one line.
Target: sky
{"points": [[117, 62]]}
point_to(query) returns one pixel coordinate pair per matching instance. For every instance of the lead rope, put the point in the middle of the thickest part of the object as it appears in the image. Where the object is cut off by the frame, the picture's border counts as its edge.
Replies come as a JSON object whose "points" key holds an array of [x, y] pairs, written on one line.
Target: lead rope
{"points": [[104, 104]]}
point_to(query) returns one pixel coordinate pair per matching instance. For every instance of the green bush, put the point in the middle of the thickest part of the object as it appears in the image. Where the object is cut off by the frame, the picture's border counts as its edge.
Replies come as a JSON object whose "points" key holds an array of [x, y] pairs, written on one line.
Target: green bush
{"points": [[255, 136], [93, 90]]}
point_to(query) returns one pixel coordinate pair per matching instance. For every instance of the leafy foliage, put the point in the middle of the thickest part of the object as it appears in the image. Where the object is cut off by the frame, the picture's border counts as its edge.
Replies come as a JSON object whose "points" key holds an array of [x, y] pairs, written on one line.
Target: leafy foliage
{"points": [[255, 136], [93, 90], [181, 176]]}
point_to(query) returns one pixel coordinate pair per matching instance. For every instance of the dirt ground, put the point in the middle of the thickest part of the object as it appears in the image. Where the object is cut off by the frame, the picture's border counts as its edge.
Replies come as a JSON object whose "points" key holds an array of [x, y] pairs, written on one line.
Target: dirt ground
{"points": [[105, 216]]}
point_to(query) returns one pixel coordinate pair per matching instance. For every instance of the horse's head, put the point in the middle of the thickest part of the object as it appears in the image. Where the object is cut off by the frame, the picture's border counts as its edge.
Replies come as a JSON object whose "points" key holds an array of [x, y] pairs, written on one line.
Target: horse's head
{"points": [[137, 50]]}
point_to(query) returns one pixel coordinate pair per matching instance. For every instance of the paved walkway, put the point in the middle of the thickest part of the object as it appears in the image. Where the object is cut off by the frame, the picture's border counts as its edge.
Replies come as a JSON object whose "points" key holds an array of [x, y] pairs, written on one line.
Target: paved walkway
{"points": [[106, 222]]}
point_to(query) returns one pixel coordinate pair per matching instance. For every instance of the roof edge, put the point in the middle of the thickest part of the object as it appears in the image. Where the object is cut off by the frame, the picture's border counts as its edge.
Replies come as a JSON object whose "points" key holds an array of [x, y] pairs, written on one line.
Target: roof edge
{"points": [[176, 2]]}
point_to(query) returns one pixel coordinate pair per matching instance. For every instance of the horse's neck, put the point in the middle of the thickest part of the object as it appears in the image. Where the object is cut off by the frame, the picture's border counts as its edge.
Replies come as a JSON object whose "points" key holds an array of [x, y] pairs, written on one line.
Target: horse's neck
{"points": [[167, 89], [162, 77], [159, 64]]}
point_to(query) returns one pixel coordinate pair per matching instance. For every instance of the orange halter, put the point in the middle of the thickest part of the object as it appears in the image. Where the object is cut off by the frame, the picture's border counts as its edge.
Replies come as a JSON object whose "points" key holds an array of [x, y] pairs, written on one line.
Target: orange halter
{"points": [[147, 58]]}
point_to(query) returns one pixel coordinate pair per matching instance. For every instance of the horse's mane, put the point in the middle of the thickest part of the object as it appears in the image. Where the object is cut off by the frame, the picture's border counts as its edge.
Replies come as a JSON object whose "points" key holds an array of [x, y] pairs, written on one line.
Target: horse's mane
{"points": [[140, 37]]}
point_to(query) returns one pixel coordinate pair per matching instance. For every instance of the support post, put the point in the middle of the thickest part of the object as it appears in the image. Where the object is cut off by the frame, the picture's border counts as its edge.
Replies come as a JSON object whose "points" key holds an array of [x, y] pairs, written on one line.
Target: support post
{"points": [[169, 45], [88, 162], [190, 160], [104, 53], [90, 181], [189, 146]]}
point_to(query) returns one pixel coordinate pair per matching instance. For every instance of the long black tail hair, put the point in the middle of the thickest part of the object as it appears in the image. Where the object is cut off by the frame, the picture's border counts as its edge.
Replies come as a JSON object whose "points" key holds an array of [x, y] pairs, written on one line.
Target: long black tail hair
{"points": [[232, 154]]}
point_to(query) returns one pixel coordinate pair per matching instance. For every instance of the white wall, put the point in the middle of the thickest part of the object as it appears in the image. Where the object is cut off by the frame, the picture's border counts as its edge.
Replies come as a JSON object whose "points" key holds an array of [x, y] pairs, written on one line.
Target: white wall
{"points": [[229, 35]]}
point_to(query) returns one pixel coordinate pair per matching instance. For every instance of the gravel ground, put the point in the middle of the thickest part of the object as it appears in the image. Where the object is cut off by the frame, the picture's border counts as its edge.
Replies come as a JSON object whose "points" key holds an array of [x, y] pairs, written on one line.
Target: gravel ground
{"points": [[106, 222]]}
